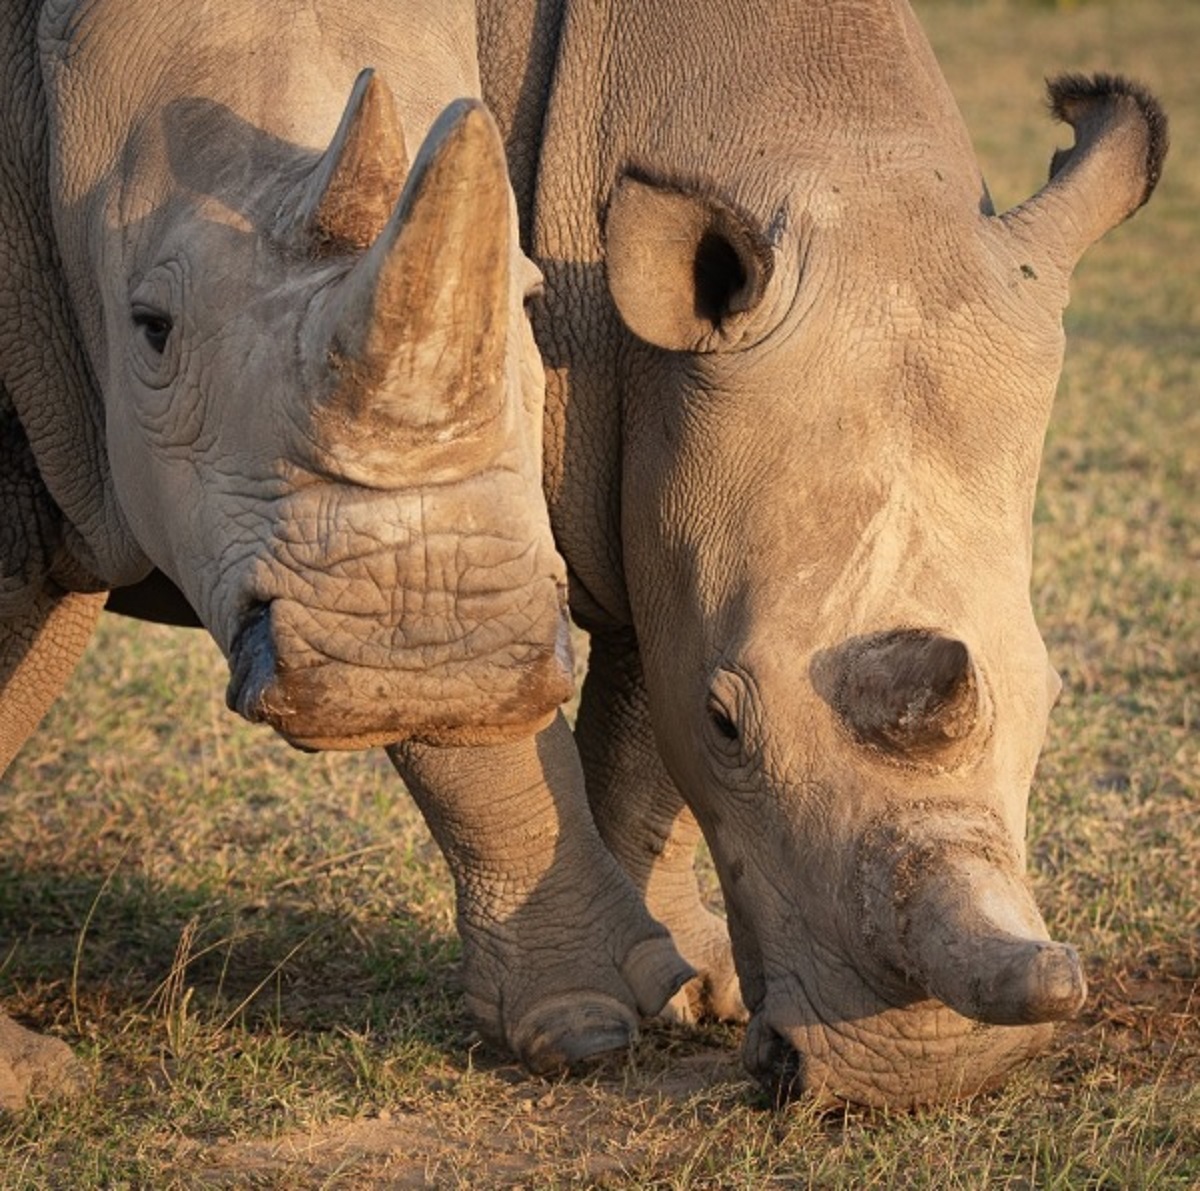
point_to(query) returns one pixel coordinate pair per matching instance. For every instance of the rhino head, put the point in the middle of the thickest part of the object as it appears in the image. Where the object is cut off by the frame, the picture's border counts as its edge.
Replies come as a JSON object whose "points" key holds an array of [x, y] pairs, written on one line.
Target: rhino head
{"points": [[831, 435], [322, 395]]}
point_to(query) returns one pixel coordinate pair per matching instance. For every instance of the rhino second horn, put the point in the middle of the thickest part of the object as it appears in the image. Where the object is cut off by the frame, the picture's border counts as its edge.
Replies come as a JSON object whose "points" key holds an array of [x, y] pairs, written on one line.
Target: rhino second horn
{"points": [[417, 332], [910, 693], [350, 195], [947, 908]]}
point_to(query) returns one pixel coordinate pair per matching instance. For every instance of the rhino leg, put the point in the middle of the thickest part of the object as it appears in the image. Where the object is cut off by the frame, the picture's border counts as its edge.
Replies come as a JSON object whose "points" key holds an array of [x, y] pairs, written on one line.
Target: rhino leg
{"points": [[559, 954], [38, 652], [39, 648], [646, 825]]}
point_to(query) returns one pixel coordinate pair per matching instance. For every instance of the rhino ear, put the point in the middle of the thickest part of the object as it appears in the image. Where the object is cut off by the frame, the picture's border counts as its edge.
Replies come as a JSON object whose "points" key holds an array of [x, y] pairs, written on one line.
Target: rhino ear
{"points": [[684, 270], [1110, 171]]}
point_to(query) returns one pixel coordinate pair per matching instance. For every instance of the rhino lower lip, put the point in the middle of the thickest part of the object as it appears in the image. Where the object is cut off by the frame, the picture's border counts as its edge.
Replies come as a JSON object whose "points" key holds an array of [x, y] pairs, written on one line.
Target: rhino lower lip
{"points": [[251, 665]]}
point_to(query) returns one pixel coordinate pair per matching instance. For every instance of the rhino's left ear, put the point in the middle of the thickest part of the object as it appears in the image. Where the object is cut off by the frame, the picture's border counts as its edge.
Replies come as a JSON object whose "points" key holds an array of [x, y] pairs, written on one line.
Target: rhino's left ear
{"points": [[685, 270], [1110, 171]]}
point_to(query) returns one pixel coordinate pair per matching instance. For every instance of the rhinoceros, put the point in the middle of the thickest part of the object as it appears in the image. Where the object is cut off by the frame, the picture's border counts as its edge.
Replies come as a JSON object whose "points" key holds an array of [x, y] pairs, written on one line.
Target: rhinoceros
{"points": [[238, 345], [799, 372]]}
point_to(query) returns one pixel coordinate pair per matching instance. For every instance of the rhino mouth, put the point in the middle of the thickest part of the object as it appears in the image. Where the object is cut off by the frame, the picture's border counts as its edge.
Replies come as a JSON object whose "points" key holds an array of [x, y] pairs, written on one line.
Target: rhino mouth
{"points": [[776, 1064], [880, 1053], [385, 692]]}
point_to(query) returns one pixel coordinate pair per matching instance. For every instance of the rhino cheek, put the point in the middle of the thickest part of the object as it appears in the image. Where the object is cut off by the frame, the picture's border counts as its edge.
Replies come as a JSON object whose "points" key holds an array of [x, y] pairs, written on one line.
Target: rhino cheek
{"points": [[159, 493]]}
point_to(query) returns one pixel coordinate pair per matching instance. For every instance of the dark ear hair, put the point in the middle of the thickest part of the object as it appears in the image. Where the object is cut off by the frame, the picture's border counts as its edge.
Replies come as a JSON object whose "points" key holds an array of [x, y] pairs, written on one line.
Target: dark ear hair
{"points": [[683, 269], [1111, 170]]}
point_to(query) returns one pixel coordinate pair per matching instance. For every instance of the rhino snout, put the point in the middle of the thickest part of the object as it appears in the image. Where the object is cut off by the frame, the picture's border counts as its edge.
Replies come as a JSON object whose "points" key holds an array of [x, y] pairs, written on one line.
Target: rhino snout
{"points": [[335, 675], [948, 979]]}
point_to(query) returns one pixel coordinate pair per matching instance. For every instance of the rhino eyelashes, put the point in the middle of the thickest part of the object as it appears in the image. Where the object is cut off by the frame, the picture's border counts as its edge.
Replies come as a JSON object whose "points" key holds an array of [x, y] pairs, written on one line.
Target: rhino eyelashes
{"points": [[727, 710], [155, 328], [722, 723]]}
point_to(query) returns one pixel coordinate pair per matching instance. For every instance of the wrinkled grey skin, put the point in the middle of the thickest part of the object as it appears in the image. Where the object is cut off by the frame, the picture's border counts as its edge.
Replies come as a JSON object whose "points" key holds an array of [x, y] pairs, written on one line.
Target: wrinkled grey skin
{"points": [[799, 373], [243, 342]]}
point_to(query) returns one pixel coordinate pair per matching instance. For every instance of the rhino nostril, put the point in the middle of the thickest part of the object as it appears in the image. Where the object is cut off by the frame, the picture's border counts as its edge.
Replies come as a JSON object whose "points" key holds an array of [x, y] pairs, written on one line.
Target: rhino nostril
{"points": [[251, 664], [777, 1065]]}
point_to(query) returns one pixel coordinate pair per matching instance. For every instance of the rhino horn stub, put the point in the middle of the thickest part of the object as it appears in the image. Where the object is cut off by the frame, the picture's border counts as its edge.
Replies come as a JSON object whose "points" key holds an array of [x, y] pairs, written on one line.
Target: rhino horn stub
{"points": [[349, 197], [417, 331], [910, 693], [1121, 141], [945, 906]]}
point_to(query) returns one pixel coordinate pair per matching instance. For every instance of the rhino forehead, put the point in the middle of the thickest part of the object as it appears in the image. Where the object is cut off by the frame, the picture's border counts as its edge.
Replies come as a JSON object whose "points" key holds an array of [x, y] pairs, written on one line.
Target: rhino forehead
{"points": [[832, 87], [280, 79]]}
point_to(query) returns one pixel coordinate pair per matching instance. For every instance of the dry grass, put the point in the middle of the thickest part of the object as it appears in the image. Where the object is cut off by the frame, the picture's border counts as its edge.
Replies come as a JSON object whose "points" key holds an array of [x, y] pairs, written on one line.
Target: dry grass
{"points": [[253, 950]]}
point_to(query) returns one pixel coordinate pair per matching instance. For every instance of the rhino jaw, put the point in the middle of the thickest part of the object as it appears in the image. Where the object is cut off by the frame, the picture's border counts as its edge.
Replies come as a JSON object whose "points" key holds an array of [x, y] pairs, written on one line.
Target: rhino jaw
{"points": [[889, 1059]]}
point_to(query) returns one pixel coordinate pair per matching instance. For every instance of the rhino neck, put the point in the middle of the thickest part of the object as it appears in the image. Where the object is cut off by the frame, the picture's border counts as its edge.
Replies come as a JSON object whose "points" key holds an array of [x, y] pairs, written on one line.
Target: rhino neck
{"points": [[44, 371], [518, 47]]}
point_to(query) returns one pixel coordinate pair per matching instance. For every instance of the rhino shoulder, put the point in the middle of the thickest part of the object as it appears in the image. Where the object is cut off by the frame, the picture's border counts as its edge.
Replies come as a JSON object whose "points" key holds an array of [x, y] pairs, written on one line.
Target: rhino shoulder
{"points": [[51, 414]]}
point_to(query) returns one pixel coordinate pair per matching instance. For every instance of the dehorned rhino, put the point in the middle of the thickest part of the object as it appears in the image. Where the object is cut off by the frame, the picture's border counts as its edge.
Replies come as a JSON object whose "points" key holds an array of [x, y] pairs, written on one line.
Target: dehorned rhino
{"points": [[799, 372], [243, 342]]}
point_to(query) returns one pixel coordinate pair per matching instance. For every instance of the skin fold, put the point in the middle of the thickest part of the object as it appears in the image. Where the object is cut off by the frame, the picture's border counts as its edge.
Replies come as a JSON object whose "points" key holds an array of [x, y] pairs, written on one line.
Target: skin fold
{"points": [[798, 376]]}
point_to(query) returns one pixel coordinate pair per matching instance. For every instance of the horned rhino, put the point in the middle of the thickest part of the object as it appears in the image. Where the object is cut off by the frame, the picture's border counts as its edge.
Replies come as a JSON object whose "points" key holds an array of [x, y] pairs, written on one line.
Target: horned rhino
{"points": [[799, 372], [243, 342]]}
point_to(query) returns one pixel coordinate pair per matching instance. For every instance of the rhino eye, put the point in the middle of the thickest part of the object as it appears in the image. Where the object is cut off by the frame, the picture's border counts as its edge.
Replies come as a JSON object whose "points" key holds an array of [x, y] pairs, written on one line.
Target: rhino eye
{"points": [[721, 721], [154, 327]]}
